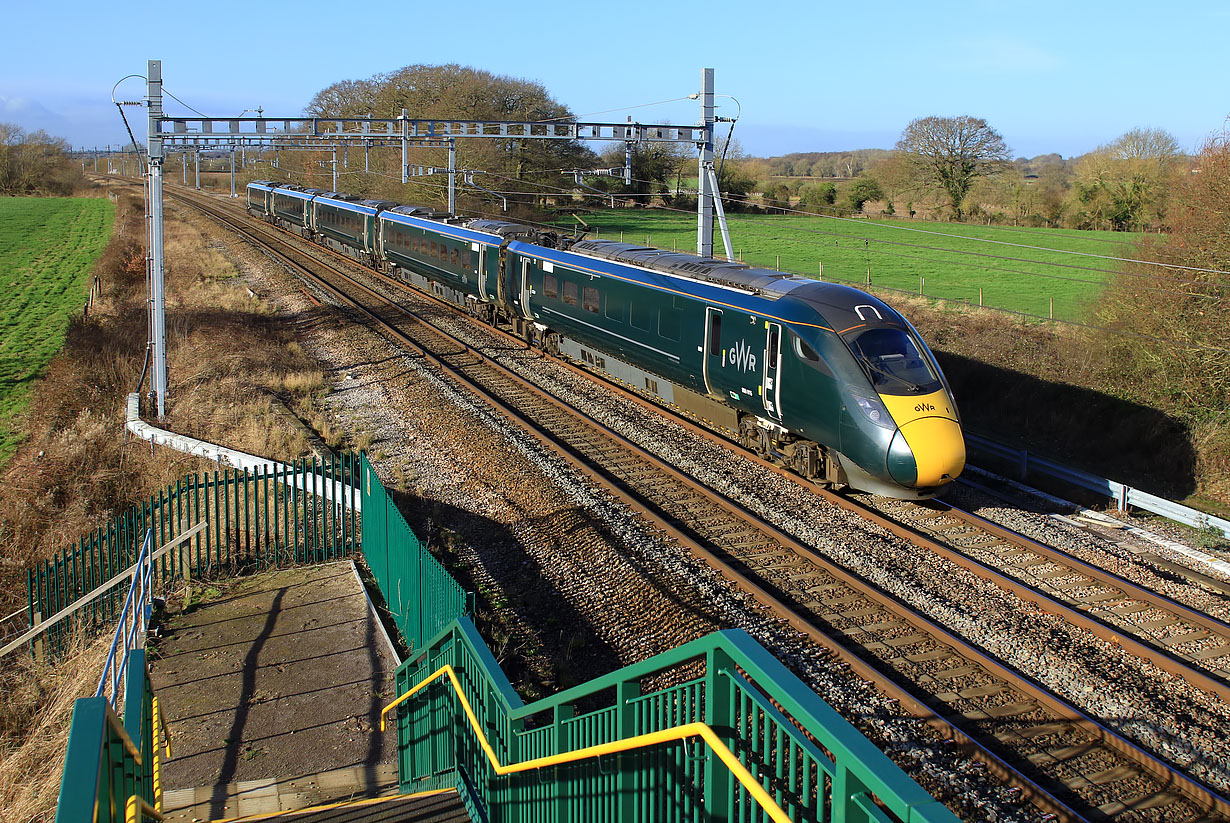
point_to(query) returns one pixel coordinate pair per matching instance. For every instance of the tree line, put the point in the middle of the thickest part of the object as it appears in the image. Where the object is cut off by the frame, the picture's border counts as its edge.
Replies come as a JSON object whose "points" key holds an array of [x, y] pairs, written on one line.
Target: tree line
{"points": [[961, 168], [956, 168], [35, 163]]}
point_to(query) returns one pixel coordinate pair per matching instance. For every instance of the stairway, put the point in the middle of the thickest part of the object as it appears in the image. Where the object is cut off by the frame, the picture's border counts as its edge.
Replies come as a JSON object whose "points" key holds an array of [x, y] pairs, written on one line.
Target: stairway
{"points": [[338, 796]]}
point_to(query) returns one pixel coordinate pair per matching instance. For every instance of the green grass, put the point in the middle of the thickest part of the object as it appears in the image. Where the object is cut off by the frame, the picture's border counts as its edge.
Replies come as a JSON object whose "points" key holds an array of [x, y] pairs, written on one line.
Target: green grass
{"points": [[47, 248], [951, 258]]}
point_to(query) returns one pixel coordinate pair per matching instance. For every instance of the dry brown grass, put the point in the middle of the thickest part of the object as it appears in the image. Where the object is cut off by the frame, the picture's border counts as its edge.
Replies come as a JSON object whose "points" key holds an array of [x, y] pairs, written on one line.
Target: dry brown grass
{"points": [[38, 708], [229, 356]]}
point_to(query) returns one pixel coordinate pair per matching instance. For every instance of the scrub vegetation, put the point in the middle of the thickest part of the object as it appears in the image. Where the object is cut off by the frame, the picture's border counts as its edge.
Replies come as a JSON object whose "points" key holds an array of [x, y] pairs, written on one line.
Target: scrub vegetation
{"points": [[232, 358]]}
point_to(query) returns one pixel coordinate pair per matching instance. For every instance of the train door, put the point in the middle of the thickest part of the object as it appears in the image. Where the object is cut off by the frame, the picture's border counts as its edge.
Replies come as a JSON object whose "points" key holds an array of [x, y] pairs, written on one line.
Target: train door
{"points": [[771, 382], [501, 291], [525, 288], [713, 347], [482, 274]]}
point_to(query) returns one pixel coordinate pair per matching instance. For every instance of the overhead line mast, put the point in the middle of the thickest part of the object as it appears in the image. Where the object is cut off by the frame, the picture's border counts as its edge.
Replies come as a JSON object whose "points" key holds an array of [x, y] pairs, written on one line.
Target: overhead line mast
{"points": [[328, 133]]}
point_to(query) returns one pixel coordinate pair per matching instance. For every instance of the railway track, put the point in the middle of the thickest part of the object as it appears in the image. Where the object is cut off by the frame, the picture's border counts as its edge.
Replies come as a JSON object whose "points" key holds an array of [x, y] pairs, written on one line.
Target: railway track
{"points": [[1069, 764]]}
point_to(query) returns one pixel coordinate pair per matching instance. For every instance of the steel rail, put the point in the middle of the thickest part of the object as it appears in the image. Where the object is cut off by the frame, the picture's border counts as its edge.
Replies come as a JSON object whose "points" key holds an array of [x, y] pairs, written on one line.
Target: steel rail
{"points": [[1145, 649], [1167, 776]]}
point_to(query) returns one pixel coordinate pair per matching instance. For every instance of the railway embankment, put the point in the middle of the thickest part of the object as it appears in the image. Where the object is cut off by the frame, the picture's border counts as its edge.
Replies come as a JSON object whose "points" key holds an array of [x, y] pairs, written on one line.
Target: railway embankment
{"points": [[234, 360]]}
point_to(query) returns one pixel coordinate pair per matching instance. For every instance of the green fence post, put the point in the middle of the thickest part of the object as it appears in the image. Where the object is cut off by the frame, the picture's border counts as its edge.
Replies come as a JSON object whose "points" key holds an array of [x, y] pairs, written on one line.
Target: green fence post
{"points": [[626, 787], [230, 505], [326, 504], [181, 503], [277, 510], [719, 715], [561, 789], [247, 519], [315, 504], [294, 510]]}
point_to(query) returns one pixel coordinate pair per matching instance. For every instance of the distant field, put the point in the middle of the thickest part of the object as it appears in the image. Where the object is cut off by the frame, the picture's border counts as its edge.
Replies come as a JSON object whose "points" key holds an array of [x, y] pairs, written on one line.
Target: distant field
{"points": [[953, 260], [47, 246]]}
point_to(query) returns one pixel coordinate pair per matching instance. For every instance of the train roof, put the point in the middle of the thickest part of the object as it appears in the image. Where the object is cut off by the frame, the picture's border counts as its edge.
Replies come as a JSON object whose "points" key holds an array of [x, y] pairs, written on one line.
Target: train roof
{"points": [[418, 211], [845, 307], [765, 282], [503, 228], [349, 202]]}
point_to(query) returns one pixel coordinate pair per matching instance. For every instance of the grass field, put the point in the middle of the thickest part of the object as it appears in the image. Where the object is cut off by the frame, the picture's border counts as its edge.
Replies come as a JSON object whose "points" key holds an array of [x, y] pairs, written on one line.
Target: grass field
{"points": [[47, 247], [953, 260]]}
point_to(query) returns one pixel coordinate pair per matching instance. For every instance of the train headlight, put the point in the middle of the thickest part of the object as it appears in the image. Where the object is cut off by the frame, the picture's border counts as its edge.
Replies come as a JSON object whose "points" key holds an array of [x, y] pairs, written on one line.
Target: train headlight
{"points": [[875, 411]]}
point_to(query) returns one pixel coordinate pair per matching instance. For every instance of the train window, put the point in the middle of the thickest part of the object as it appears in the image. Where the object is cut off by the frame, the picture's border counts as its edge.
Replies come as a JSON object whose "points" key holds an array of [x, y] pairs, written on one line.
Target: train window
{"points": [[715, 333], [642, 315], [893, 361], [570, 293], [414, 245], [668, 324], [455, 257], [589, 299], [775, 335], [435, 249], [550, 286], [616, 307], [804, 351]]}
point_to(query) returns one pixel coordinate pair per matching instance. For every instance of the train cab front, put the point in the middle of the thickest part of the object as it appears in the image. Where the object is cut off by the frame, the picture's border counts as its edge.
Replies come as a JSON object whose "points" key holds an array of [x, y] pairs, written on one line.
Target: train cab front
{"points": [[927, 450]]}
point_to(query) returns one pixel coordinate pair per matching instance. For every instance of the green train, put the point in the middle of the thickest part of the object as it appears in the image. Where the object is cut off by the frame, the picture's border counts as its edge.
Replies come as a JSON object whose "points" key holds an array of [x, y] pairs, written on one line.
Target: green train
{"points": [[823, 378]]}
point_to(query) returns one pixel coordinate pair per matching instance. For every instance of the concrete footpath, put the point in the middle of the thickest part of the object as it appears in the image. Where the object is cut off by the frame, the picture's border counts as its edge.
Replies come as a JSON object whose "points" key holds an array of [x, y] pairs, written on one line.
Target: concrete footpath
{"points": [[272, 687]]}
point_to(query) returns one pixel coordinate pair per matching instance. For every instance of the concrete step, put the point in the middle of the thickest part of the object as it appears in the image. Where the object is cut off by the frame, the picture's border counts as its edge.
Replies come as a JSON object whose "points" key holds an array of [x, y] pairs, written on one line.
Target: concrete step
{"points": [[442, 806], [246, 798]]}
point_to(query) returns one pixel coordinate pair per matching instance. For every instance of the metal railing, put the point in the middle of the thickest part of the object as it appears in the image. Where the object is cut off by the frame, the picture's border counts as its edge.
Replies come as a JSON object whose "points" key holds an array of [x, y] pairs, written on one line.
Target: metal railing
{"points": [[113, 765], [631, 744], [132, 627], [420, 594], [1025, 463], [717, 729], [306, 511], [605, 751]]}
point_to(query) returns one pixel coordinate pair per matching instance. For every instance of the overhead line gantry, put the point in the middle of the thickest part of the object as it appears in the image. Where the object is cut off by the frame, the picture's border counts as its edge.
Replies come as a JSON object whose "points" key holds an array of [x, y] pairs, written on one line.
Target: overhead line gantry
{"points": [[201, 132]]}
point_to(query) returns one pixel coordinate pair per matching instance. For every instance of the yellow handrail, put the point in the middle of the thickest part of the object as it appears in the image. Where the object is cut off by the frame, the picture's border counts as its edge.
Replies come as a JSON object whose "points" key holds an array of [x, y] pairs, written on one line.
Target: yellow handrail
{"points": [[683, 732], [138, 809], [157, 728]]}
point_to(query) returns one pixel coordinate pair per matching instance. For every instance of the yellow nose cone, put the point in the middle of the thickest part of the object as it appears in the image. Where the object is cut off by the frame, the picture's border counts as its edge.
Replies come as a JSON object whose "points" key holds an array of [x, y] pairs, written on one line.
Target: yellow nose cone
{"points": [[938, 447]]}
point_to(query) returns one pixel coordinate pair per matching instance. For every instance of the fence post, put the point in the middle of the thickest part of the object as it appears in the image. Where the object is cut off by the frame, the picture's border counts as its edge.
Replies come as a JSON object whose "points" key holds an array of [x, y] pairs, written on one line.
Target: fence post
{"points": [[40, 650], [562, 789], [719, 716], [625, 777]]}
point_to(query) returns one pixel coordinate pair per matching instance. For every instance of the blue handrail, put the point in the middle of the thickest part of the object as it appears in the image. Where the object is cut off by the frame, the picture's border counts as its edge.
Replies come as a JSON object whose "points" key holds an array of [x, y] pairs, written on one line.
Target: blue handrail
{"points": [[133, 622]]}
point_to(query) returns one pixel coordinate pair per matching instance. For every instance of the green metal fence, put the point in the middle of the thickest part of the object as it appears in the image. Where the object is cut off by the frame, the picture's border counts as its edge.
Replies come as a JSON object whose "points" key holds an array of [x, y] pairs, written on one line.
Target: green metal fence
{"points": [[421, 595], [305, 511], [812, 763]]}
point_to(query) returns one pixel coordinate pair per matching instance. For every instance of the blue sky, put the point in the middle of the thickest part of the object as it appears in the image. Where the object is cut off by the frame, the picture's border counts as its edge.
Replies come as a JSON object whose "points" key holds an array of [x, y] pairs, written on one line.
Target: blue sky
{"points": [[810, 76]]}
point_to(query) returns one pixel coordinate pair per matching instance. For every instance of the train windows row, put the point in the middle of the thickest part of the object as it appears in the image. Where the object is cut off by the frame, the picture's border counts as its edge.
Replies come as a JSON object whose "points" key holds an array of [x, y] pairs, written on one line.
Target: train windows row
{"points": [[343, 221], [436, 250], [640, 314]]}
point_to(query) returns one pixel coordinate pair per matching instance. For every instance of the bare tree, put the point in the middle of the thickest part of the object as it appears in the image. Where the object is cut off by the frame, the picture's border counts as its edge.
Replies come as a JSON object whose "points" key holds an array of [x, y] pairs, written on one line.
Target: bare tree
{"points": [[953, 151]]}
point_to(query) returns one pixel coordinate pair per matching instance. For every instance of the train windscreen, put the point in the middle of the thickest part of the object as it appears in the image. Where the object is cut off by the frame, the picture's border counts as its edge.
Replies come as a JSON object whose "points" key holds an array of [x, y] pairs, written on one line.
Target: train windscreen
{"points": [[893, 361]]}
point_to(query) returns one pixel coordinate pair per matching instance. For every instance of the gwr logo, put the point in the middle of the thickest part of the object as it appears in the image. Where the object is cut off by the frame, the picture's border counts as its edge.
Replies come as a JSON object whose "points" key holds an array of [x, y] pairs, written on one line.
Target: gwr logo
{"points": [[924, 407], [741, 357]]}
